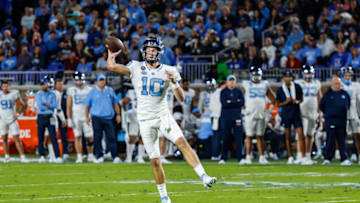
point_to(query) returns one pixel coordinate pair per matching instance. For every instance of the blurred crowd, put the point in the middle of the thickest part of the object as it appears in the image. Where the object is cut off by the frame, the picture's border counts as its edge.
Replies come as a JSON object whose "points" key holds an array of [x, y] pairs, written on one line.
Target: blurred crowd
{"points": [[68, 34]]}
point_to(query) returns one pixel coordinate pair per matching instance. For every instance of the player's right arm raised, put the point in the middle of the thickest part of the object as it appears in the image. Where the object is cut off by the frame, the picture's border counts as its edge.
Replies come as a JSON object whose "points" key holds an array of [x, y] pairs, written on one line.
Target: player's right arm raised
{"points": [[115, 67]]}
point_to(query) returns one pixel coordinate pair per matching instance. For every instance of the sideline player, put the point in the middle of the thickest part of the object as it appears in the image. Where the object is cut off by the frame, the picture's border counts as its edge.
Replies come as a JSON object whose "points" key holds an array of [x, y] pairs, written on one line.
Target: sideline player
{"points": [[8, 120], [309, 107], [151, 81], [75, 111], [256, 91]]}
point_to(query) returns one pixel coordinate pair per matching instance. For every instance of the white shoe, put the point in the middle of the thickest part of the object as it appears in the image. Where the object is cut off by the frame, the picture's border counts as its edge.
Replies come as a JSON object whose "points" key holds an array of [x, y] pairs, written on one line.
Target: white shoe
{"points": [[42, 159], [90, 158], [299, 160], [99, 160], [326, 162], [6, 159], [266, 154], [165, 161], [242, 162], [79, 160], [346, 163], [66, 157], [290, 160], [51, 160], [263, 161], [318, 156], [128, 161], [337, 154], [273, 156], [59, 160], [222, 161], [248, 160], [165, 199], [24, 160], [141, 161], [215, 158], [107, 155], [117, 160], [208, 181], [353, 157], [307, 162]]}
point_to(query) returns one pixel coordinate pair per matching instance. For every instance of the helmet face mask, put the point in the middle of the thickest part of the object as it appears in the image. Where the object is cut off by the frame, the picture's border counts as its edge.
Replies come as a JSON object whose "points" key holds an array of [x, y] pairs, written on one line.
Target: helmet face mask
{"points": [[210, 85], [154, 43], [79, 78], [256, 74], [308, 72], [346, 75]]}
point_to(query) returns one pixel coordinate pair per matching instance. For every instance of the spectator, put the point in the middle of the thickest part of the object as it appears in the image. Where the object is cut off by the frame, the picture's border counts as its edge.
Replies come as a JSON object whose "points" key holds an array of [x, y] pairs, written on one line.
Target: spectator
{"points": [[84, 66], [252, 58], [212, 42], [192, 126], [24, 60], [101, 62], [231, 41], [98, 47], [270, 50], [241, 15], [341, 58], [37, 62], [264, 60], [10, 61], [275, 18], [296, 35], [222, 69], [71, 63], [326, 45], [52, 28], [355, 58], [310, 26], [280, 60], [335, 105], [28, 19], [171, 39], [102, 112], [244, 32], [9, 26], [232, 101], [311, 54], [284, 50], [293, 62], [257, 23], [136, 13], [236, 62], [297, 50], [227, 17], [134, 49], [213, 24], [195, 46], [340, 38], [8, 38], [168, 57]]}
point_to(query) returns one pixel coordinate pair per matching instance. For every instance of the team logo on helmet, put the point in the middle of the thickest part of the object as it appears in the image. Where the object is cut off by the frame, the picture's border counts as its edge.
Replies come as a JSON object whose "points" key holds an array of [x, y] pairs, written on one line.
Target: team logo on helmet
{"points": [[152, 42]]}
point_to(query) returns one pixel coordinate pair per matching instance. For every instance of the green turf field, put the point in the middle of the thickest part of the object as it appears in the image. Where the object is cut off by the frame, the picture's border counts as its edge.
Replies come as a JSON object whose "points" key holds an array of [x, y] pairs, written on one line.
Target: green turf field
{"points": [[133, 183]]}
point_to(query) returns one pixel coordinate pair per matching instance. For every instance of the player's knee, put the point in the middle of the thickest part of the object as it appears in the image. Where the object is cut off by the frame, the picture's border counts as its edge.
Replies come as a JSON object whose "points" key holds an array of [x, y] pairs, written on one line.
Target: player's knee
{"points": [[181, 143], [155, 162], [90, 143]]}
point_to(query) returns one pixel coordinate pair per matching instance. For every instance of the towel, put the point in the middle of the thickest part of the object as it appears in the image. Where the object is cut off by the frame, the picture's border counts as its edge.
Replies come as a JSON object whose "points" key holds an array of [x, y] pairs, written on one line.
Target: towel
{"points": [[292, 92]]}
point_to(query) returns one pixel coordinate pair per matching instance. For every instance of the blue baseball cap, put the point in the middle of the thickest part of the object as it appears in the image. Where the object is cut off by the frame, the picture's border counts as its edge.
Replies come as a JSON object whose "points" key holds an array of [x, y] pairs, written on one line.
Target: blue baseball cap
{"points": [[231, 77], [288, 73], [195, 110], [101, 77]]}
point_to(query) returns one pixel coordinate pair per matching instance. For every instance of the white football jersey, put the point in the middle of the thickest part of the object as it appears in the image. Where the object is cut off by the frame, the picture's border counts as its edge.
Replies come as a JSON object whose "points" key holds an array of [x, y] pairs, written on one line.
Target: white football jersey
{"points": [[186, 104], [204, 102], [7, 101], [170, 100], [151, 88], [309, 106], [132, 95], [353, 90], [255, 98], [78, 97]]}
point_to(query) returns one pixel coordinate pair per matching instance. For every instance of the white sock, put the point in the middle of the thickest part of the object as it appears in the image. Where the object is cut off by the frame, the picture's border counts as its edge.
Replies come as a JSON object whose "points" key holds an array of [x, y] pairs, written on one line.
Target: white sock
{"points": [[22, 156], [262, 157], [248, 156], [199, 169], [130, 151], [51, 151], [7, 156], [308, 155], [162, 189], [90, 155], [298, 155], [79, 156], [141, 153]]}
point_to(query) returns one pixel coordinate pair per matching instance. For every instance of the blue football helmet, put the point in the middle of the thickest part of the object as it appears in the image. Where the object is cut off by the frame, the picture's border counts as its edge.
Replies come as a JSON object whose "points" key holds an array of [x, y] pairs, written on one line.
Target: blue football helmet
{"points": [[306, 70], [210, 84], [152, 42], [255, 70], [45, 80], [79, 76], [344, 71]]}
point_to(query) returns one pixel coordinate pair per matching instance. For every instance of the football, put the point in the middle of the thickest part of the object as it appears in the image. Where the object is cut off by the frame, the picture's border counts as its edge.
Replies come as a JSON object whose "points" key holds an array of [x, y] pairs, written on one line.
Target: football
{"points": [[114, 44]]}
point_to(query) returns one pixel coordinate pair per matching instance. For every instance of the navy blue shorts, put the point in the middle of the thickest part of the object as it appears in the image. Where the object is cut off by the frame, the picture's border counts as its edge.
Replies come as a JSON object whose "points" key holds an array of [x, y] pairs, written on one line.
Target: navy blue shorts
{"points": [[295, 120]]}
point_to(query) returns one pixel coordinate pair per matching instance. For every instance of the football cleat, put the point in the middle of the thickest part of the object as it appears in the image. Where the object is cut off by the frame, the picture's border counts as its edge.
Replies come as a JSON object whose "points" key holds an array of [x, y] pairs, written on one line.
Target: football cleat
{"points": [[263, 161], [99, 160], [165, 199], [273, 156], [42, 159], [346, 163], [59, 160], [353, 157], [78, 161], [165, 161], [117, 160], [290, 160], [222, 161], [128, 161], [208, 181], [141, 161], [326, 162], [24, 160], [242, 162]]}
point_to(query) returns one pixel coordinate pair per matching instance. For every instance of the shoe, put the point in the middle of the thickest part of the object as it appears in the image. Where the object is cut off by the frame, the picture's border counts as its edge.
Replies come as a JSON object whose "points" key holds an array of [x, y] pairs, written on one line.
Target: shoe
{"points": [[42, 159], [99, 160], [266, 154], [128, 161], [273, 156], [326, 162], [346, 163], [59, 160], [353, 157], [107, 155], [117, 160], [263, 161], [222, 161], [90, 158], [165, 161], [6, 159], [215, 158], [307, 162], [208, 181], [299, 160], [242, 162], [51, 160], [248, 160], [290, 160], [165, 199], [24, 160], [318, 156], [337, 155], [141, 161], [79, 160], [66, 157]]}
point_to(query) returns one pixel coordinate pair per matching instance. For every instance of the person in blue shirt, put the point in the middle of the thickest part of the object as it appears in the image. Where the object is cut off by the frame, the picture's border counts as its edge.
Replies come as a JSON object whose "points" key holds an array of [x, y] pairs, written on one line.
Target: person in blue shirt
{"points": [[232, 101], [10, 61], [168, 57], [84, 66], [295, 36], [288, 98], [46, 105], [311, 54], [341, 58], [355, 58], [213, 24], [98, 47], [101, 105], [335, 105], [136, 13]]}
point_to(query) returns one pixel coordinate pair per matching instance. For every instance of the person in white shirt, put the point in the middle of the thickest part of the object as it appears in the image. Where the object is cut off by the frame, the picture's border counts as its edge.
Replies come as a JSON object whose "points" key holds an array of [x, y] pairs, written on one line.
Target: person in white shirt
{"points": [[188, 103], [270, 50], [8, 120], [151, 82]]}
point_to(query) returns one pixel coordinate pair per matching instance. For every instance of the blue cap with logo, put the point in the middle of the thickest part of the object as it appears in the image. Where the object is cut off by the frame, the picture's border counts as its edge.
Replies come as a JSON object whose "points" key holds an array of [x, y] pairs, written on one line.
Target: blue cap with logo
{"points": [[231, 77], [101, 77]]}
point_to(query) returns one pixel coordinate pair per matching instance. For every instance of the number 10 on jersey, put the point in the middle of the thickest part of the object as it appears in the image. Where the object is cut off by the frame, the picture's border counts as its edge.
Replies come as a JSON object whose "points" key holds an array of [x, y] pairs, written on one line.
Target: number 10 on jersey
{"points": [[155, 87]]}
